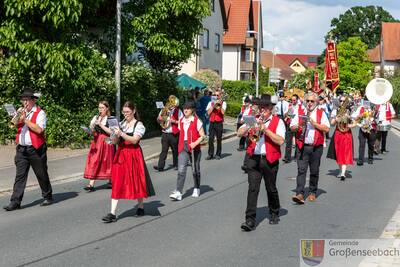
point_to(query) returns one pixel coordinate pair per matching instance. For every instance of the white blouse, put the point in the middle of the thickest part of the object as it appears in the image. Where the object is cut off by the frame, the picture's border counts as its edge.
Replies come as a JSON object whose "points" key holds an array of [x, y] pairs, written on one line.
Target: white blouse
{"points": [[139, 130]]}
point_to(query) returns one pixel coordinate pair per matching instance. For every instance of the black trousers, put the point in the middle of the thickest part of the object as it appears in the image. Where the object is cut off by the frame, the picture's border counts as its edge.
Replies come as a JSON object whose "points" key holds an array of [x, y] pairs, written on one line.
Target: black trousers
{"points": [[25, 157], [289, 142], [242, 140], [366, 138], [216, 129], [259, 168], [384, 135], [168, 140], [308, 156]]}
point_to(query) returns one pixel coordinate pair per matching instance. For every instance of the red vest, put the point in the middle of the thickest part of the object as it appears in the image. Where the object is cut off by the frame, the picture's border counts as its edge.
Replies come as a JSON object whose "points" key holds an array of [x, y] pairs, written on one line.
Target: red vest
{"points": [[388, 111], [192, 135], [244, 108], [175, 116], [273, 151], [37, 139], [318, 135], [216, 115]]}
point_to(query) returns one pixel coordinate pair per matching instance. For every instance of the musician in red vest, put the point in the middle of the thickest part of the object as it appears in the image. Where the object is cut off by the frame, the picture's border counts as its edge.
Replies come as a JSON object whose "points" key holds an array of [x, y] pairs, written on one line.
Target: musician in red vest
{"points": [[246, 110], [263, 161], [310, 137], [31, 151], [170, 136], [296, 108], [385, 113], [364, 115], [216, 110], [191, 135]]}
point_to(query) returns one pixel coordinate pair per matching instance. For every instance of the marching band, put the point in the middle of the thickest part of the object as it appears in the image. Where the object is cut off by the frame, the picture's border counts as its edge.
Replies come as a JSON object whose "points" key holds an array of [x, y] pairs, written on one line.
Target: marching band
{"points": [[264, 125]]}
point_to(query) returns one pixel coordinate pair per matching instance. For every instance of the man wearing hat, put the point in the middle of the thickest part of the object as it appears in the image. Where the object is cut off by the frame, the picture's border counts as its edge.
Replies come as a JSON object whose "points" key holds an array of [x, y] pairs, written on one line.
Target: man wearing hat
{"points": [[31, 151], [263, 161]]}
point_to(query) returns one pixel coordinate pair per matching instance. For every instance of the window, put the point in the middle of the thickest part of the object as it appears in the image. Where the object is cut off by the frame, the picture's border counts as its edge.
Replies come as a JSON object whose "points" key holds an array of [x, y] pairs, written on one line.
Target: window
{"points": [[213, 5], [206, 39], [217, 42], [247, 56]]}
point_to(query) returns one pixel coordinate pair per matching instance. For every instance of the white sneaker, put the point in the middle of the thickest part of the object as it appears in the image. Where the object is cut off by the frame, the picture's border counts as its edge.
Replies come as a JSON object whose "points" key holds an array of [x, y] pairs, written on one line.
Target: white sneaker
{"points": [[176, 195], [196, 192]]}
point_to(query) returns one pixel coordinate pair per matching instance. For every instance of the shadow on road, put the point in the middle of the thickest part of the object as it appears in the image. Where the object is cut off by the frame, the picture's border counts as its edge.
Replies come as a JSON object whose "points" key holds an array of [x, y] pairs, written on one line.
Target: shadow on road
{"points": [[336, 172], [203, 189], [150, 209], [225, 155], [263, 213], [58, 197]]}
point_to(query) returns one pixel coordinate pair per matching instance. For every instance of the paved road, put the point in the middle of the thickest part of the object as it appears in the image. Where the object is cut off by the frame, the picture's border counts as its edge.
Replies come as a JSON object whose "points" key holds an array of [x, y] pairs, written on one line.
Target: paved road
{"points": [[204, 231]]}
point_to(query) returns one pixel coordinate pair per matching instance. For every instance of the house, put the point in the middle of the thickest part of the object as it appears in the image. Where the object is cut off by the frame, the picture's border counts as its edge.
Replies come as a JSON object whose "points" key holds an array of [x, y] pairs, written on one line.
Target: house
{"points": [[386, 55], [240, 41], [269, 60], [209, 42], [299, 62]]}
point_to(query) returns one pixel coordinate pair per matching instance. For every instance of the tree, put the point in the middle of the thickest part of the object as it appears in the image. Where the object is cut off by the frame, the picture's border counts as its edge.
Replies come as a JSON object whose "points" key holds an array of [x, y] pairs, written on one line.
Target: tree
{"points": [[355, 69], [164, 30], [395, 81], [364, 22], [209, 77], [300, 80]]}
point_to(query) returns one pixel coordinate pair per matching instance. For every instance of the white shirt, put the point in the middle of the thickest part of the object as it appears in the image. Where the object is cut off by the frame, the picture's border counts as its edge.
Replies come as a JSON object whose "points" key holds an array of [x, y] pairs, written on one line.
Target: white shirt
{"points": [[139, 130], [260, 145], [186, 123], [357, 112], [93, 121], [309, 135], [245, 113], [25, 137], [282, 107], [210, 103], [296, 109], [170, 113], [382, 113]]}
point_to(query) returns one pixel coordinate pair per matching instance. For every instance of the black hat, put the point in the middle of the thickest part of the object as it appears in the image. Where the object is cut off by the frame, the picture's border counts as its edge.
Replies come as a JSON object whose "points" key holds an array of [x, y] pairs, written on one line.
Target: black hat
{"points": [[247, 100], [266, 100], [28, 92], [255, 101], [189, 105]]}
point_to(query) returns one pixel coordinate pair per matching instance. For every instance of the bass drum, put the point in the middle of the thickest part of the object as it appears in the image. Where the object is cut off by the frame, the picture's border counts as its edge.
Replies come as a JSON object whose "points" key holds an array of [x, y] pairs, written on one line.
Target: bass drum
{"points": [[384, 128]]}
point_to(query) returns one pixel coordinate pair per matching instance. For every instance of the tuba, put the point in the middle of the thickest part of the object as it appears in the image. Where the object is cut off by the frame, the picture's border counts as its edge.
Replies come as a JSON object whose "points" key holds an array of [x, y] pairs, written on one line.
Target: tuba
{"points": [[172, 102], [343, 118]]}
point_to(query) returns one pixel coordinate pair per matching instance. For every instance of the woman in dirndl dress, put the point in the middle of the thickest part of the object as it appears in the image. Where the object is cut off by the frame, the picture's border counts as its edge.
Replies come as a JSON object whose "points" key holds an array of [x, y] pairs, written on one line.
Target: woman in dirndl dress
{"points": [[101, 154], [130, 177], [341, 146]]}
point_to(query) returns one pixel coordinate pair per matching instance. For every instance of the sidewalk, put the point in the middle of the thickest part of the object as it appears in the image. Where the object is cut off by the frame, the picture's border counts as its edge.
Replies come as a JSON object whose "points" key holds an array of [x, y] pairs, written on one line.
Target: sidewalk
{"points": [[64, 164]]}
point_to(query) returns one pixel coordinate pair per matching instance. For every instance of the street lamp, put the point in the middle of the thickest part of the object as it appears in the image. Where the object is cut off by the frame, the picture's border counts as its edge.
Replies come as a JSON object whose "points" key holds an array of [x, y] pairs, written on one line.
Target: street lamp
{"points": [[118, 62], [258, 44]]}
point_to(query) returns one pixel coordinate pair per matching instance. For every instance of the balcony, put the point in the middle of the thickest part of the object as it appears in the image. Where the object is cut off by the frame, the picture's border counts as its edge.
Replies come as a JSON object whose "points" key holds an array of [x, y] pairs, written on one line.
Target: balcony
{"points": [[247, 66], [251, 42]]}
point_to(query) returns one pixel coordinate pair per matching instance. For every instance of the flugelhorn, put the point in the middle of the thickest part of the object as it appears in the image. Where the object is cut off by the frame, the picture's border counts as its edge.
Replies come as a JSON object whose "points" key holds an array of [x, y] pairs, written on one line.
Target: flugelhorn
{"points": [[15, 120]]}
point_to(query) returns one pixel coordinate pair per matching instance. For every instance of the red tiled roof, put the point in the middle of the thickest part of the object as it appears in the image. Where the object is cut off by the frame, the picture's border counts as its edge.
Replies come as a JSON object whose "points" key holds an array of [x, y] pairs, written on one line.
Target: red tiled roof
{"points": [[238, 14], [391, 43], [266, 61], [303, 58]]}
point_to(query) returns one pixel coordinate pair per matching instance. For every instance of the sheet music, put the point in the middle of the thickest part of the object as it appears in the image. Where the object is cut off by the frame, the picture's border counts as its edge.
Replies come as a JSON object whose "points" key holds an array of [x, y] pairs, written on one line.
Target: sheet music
{"points": [[249, 120], [10, 109], [159, 104]]}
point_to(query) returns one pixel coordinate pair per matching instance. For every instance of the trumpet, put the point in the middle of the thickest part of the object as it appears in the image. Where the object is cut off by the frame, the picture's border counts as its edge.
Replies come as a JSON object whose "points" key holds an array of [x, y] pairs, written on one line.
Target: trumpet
{"points": [[254, 133], [17, 117]]}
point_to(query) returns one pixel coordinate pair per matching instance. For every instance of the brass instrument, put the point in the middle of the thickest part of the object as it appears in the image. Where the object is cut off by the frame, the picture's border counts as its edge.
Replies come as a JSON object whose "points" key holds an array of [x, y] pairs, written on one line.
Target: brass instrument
{"points": [[255, 134], [218, 104], [17, 117], [172, 102], [343, 118]]}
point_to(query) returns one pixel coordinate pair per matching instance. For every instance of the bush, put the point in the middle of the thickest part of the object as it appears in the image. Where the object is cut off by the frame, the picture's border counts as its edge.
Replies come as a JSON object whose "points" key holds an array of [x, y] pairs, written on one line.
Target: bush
{"points": [[233, 108], [209, 77], [236, 89]]}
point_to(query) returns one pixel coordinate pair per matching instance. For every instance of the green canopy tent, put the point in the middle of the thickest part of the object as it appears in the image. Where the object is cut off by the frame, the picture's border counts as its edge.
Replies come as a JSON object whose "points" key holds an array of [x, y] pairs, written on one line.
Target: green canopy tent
{"points": [[188, 83]]}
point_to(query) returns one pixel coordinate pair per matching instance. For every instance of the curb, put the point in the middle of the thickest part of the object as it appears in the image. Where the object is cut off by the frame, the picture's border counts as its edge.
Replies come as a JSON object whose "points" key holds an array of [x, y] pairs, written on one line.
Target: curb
{"points": [[79, 175]]}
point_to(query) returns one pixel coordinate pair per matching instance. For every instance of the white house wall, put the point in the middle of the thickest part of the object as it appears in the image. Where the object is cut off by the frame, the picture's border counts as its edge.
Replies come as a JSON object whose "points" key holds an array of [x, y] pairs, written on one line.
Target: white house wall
{"points": [[231, 63]]}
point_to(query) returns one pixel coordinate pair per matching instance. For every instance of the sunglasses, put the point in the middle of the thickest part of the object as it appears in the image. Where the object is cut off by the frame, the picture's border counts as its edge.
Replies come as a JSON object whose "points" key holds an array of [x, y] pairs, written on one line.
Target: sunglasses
{"points": [[310, 101]]}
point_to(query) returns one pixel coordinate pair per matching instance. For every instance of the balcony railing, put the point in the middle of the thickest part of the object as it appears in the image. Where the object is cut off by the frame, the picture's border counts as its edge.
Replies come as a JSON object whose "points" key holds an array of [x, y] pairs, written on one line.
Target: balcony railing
{"points": [[247, 66]]}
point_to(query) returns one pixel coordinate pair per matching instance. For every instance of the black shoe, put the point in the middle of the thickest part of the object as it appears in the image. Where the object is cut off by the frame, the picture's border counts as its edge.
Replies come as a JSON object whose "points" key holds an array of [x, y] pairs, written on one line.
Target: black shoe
{"points": [[248, 226], [274, 219], [342, 178], [384, 151], [370, 161], [47, 202], [376, 152], [209, 157], [139, 212], [109, 218], [217, 157], [158, 169], [12, 206], [240, 149], [109, 185], [244, 168], [89, 188], [287, 160], [360, 163]]}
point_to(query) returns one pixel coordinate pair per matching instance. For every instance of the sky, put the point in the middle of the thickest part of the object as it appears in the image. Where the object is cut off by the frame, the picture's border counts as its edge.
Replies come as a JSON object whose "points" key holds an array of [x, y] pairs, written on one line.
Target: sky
{"points": [[299, 26]]}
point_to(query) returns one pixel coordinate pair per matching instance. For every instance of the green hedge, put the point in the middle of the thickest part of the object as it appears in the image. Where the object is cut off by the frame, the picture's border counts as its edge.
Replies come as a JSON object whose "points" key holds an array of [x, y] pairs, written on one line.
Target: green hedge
{"points": [[233, 108], [236, 89]]}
